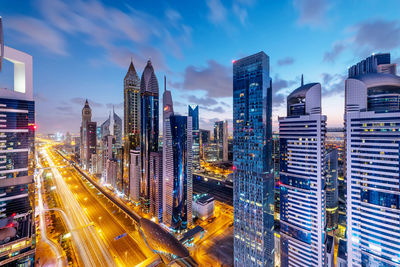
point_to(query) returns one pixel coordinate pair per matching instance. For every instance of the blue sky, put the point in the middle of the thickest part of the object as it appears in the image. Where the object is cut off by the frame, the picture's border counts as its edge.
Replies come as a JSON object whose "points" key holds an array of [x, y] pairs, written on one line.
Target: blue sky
{"points": [[82, 49]]}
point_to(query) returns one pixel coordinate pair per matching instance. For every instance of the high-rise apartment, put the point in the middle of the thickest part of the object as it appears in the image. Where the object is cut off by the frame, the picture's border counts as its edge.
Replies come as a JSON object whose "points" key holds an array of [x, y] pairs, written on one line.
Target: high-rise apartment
{"points": [[91, 142], [302, 198], [331, 189], [193, 111], [221, 139], [253, 178], [149, 129], [372, 139], [17, 134], [86, 117]]}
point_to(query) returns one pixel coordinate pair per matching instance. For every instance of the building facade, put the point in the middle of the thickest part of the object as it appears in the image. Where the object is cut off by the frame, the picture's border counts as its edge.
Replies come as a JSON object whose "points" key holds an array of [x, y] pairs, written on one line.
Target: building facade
{"points": [[253, 182], [193, 111], [372, 143], [91, 142], [86, 117], [302, 198], [221, 139], [149, 129], [178, 184], [331, 188], [17, 134]]}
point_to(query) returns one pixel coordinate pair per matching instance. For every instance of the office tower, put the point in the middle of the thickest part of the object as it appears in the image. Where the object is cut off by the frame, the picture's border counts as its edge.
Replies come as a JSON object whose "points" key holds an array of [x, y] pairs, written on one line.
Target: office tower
{"points": [[91, 142], [253, 178], [86, 117], [17, 133], [177, 160], [302, 152], [204, 140], [113, 126], [331, 189], [134, 175], [372, 122], [149, 129], [108, 154], [221, 139], [193, 111], [276, 160], [68, 139], [132, 107], [156, 185], [373, 64]]}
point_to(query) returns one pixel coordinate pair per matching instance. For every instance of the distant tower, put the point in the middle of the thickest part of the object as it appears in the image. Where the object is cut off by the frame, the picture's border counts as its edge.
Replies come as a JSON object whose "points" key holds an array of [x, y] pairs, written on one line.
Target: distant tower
{"points": [[149, 130], [221, 139], [193, 111], [86, 117]]}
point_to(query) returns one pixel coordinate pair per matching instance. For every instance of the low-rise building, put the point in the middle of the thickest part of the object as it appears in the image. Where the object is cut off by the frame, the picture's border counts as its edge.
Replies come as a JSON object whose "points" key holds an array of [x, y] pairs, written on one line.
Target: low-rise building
{"points": [[203, 206]]}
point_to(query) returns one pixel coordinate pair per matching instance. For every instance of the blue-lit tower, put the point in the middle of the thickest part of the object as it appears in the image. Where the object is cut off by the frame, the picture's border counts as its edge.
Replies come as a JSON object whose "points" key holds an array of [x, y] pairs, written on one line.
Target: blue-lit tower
{"points": [[301, 175], [193, 111], [149, 131], [253, 188]]}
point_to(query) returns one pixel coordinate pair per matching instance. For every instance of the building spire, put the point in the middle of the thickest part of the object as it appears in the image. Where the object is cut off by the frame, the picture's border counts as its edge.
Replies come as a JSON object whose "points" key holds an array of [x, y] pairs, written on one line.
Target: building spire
{"points": [[302, 80], [165, 83]]}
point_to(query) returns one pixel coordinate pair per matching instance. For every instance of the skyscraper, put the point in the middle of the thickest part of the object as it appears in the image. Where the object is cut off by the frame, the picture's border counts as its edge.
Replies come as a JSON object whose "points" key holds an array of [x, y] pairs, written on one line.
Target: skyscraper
{"points": [[149, 129], [113, 126], [178, 182], [132, 107], [302, 197], [204, 140], [131, 131], [331, 188], [91, 142], [372, 142], [221, 139], [253, 182], [17, 134], [193, 111], [86, 117]]}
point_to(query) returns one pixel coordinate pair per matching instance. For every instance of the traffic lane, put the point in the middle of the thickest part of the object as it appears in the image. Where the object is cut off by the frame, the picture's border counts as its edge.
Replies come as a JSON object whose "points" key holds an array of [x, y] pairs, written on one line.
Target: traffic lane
{"points": [[127, 249]]}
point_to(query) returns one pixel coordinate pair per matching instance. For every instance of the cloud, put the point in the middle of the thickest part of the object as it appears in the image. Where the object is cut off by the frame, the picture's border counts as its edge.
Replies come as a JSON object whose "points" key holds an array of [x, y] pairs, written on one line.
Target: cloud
{"points": [[215, 79], [115, 106], [240, 12], [218, 109], [81, 101], [285, 61], [280, 90], [337, 49], [32, 30], [311, 12], [204, 101], [377, 35], [332, 84], [216, 11], [39, 97]]}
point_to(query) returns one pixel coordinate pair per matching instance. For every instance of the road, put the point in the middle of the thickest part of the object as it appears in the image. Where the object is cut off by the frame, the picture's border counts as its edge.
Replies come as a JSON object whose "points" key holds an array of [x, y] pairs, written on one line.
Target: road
{"points": [[98, 217]]}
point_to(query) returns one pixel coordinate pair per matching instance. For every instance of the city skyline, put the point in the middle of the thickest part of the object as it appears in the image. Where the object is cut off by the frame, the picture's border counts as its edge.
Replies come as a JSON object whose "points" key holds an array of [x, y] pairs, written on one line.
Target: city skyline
{"points": [[320, 44]]}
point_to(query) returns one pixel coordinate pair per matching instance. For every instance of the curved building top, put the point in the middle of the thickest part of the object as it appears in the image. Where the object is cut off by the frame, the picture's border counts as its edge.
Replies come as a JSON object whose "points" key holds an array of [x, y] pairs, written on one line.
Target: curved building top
{"points": [[305, 100], [378, 79], [149, 81]]}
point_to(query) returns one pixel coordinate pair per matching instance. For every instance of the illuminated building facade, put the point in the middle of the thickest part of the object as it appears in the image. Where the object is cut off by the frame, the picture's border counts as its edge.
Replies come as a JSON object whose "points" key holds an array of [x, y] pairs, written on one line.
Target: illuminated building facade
{"points": [[221, 139], [193, 111], [17, 133], [372, 143], [253, 178], [86, 117], [149, 129], [331, 189], [302, 198]]}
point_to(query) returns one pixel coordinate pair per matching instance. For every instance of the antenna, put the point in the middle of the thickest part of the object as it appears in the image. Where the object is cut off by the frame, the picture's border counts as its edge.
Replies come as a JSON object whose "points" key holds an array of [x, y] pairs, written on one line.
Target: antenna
{"points": [[165, 83], [302, 80]]}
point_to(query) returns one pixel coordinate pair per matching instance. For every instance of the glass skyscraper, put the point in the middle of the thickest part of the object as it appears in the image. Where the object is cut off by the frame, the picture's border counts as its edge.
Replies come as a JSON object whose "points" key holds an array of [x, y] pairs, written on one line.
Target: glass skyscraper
{"points": [[193, 111], [372, 143], [253, 188], [301, 176], [149, 131]]}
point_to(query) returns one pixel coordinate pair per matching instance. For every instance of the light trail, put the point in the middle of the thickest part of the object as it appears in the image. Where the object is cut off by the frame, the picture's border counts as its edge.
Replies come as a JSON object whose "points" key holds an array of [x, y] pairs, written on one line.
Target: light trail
{"points": [[43, 230], [92, 250]]}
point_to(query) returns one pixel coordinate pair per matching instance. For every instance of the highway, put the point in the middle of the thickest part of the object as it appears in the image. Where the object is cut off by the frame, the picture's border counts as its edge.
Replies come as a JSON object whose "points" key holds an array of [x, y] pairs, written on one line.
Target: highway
{"points": [[97, 221]]}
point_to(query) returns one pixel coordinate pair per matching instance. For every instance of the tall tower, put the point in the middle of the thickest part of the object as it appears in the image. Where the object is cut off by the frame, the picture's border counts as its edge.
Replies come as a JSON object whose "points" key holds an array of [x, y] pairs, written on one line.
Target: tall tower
{"points": [[86, 117], [193, 111], [372, 143], [221, 139], [149, 130], [17, 150], [302, 197], [253, 180]]}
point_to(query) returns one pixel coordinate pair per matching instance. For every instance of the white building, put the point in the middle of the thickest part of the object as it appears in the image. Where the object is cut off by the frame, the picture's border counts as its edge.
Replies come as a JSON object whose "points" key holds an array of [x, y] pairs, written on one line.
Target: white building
{"points": [[134, 169], [203, 206], [372, 121], [302, 198]]}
